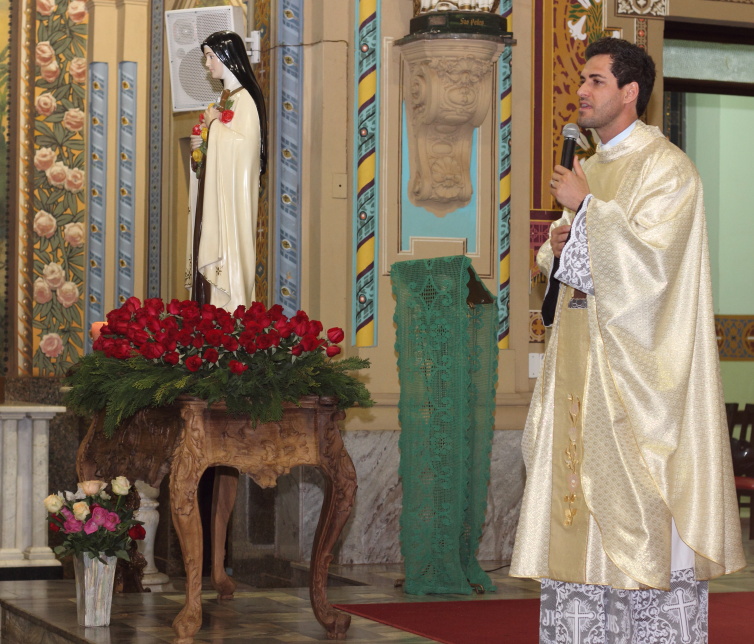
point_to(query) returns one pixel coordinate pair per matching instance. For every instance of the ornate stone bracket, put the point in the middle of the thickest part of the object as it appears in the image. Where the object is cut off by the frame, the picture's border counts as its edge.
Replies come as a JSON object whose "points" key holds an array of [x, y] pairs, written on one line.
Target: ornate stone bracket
{"points": [[447, 89]]}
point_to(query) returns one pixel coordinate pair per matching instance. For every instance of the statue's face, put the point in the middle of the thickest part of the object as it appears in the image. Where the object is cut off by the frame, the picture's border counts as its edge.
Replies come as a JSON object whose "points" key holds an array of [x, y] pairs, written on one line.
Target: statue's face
{"points": [[213, 63]]}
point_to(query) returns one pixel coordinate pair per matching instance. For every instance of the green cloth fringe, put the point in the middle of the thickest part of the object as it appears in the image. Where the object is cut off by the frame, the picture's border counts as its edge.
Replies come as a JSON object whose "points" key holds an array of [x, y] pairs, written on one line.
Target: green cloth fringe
{"points": [[447, 359]]}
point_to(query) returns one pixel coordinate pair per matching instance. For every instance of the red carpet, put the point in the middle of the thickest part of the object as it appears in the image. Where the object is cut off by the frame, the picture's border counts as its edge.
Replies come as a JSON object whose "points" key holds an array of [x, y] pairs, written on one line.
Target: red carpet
{"points": [[516, 621]]}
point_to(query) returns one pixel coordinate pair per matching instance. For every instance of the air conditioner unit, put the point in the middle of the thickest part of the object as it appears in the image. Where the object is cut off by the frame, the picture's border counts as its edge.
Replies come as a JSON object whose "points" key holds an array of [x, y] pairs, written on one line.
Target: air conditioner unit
{"points": [[191, 84]]}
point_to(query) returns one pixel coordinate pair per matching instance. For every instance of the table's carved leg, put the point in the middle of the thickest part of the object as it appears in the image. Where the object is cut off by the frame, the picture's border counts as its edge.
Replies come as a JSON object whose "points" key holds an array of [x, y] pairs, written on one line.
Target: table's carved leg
{"points": [[223, 499], [189, 464], [340, 490]]}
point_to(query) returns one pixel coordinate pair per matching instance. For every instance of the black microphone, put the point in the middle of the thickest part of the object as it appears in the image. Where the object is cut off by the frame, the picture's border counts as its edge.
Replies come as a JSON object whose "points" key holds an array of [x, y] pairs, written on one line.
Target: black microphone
{"points": [[571, 134]]}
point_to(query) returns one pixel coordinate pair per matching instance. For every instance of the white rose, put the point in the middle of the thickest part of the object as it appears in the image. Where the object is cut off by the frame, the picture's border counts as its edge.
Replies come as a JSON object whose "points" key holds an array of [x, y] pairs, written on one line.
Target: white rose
{"points": [[121, 486], [53, 503], [54, 275], [68, 294], [80, 510], [45, 224], [42, 292], [91, 488], [51, 345]]}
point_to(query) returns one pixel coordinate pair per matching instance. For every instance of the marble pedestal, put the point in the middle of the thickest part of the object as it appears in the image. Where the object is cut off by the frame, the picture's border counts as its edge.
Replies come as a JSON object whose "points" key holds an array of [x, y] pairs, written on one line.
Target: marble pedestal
{"points": [[24, 445]]}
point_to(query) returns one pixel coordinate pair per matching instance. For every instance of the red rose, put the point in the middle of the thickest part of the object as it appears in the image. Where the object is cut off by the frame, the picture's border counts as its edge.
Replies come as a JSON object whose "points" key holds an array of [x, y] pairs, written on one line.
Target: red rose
{"points": [[214, 337], [284, 328], [154, 306], [237, 367], [315, 327], [226, 116], [197, 342], [276, 312], [131, 305], [211, 355], [310, 342], [239, 312], [297, 350], [174, 308], [54, 527], [197, 129], [335, 335], [152, 350], [332, 350], [265, 341], [230, 343], [193, 363], [137, 532], [172, 357]]}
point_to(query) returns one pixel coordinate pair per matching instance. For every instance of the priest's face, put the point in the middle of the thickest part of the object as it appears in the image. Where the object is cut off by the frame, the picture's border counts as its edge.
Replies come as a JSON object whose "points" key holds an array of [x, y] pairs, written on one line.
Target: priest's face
{"points": [[602, 104], [213, 63]]}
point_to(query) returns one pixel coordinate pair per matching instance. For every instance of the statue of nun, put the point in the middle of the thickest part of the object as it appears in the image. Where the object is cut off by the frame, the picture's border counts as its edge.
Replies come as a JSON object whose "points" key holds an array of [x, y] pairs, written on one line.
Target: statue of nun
{"points": [[221, 262]]}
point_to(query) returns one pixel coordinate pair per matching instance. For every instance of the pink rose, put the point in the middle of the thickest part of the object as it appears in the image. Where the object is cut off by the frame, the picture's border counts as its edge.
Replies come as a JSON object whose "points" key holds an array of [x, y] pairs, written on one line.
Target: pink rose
{"points": [[42, 291], [44, 54], [77, 70], [90, 527], [77, 11], [73, 525], [52, 346], [74, 180], [50, 72], [57, 173], [73, 119], [45, 104], [54, 275], [44, 158], [45, 224], [112, 521], [46, 7], [68, 294], [74, 234]]}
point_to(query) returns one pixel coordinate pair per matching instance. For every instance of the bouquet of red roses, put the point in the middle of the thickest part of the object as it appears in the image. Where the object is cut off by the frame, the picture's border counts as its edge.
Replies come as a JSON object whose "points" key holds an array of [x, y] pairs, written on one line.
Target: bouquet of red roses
{"points": [[254, 359]]}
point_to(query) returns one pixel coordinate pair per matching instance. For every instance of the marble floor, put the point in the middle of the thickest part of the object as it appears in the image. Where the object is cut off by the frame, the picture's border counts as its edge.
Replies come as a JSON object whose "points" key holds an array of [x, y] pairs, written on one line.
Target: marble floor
{"points": [[44, 612]]}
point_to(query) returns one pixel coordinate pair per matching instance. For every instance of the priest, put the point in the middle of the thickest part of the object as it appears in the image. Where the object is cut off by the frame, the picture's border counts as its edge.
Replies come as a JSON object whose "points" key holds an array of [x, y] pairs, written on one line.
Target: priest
{"points": [[630, 504]]}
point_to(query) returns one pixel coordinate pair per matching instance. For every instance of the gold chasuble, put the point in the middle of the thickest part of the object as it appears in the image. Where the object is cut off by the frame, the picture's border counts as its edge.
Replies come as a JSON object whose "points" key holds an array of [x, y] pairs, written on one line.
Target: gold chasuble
{"points": [[627, 429], [227, 247]]}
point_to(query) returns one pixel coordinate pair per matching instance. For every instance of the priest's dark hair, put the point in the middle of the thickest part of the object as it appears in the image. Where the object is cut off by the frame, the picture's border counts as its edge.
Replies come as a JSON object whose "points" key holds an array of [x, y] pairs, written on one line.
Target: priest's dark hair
{"points": [[230, 48], [630, 63]]}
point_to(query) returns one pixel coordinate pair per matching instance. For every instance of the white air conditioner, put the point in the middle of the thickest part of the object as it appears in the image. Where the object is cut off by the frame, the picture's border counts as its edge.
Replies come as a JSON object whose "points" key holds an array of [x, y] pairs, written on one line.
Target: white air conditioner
{"points": [[191, 85]]}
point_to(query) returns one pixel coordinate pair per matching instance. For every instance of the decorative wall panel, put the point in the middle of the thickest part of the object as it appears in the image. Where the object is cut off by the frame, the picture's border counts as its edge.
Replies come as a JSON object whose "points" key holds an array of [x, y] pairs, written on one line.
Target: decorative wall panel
{"points": [[155, 147], [288, 157], [735, 336], [4, 175], [58, 201], [124, 208], [366, 121], [97, 189], [504, 187]]}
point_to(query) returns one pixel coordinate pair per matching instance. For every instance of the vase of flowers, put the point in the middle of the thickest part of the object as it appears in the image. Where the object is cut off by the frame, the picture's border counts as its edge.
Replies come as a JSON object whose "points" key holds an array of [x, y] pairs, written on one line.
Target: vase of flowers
{"points": [[254, 359], [98, 530]]}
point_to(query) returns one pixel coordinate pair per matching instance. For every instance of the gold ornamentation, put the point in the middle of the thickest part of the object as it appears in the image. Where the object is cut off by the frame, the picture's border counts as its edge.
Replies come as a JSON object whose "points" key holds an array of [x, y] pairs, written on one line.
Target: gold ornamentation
{"points": [[572, 461]]}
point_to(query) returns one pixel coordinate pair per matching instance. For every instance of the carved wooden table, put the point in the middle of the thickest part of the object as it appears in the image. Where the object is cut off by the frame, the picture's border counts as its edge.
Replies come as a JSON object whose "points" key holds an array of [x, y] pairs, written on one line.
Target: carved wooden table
{"points": [[188, 437]]}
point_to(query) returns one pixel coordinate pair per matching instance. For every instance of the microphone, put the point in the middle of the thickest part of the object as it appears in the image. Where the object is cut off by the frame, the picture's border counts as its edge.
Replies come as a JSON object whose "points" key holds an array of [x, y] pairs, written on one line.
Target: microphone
{"points": [[571, 134]]}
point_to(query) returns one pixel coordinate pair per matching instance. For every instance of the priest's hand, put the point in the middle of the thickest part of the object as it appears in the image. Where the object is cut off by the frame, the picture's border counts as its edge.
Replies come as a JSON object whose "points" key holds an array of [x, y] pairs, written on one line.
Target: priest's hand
{"points": [[570, 188], [558, 238]]}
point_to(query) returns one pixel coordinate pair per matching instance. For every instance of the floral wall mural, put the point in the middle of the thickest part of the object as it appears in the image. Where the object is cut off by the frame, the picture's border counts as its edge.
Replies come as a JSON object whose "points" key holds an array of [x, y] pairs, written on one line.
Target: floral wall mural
{"points": [[4, 172], [58, 200]]}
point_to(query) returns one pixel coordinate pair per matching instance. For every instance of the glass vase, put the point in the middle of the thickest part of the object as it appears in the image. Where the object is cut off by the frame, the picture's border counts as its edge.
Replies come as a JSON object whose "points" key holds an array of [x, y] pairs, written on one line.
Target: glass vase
{"points": [[94, 589]]}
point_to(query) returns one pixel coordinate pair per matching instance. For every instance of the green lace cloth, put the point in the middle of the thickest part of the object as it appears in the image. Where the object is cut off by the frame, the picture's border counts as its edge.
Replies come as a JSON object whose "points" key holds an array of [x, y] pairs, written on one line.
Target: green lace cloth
{"points": [[447, 359]]}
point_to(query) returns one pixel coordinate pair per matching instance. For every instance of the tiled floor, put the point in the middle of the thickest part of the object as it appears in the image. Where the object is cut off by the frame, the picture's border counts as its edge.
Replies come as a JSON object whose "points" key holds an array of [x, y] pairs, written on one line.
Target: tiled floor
{"points": [[44, 612]]}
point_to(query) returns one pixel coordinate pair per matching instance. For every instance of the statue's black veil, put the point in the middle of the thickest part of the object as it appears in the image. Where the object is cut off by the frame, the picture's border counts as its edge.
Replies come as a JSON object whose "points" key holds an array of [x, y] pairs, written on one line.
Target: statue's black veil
{"points": [[230, 48]]}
